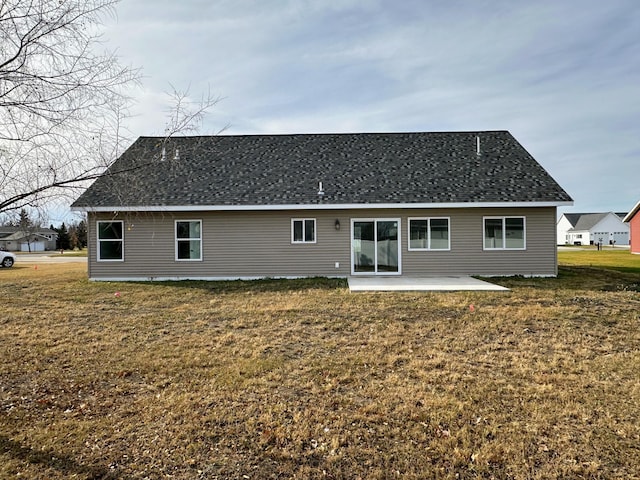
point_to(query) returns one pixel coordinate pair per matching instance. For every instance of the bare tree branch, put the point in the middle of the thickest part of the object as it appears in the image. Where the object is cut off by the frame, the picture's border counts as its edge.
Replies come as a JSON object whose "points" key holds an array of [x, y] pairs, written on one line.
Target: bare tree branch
{"points": [[51, 174], [63, 100]]}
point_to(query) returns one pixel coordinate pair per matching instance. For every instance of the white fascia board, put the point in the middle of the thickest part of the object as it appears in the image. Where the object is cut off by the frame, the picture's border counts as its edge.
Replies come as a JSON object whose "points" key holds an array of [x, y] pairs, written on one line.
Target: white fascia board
{"points": [[332, 206], [632, 213]]}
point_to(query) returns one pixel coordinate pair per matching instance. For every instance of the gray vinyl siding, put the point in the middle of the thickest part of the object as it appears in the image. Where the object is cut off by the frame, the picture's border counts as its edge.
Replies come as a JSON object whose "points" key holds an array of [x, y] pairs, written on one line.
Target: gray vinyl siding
{"points": [[467, 256], [258, 244]]}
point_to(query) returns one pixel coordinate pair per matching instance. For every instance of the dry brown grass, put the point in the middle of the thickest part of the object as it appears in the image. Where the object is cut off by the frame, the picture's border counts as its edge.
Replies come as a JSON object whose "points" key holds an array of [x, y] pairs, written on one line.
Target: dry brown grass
{"points": [[304, 380]]}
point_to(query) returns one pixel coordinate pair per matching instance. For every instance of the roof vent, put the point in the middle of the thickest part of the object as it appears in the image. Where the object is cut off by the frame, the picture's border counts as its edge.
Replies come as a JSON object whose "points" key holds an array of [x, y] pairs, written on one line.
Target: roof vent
{"points": [[164, 154], [176, 155], [320, 190], [477, 144]]}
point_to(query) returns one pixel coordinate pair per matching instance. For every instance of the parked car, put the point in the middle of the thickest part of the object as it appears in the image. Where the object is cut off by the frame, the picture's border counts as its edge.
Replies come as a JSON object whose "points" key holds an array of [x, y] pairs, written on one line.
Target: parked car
{"points": [[7, 259]]}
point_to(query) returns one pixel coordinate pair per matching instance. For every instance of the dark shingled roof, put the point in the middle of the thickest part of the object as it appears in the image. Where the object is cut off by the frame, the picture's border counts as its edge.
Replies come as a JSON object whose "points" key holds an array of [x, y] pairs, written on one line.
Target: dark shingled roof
{"points": [[358, 168]]}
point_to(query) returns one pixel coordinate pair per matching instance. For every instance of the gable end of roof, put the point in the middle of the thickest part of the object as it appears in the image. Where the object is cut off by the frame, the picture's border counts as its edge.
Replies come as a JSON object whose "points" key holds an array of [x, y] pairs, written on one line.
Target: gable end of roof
{"points": [[632, 213]]}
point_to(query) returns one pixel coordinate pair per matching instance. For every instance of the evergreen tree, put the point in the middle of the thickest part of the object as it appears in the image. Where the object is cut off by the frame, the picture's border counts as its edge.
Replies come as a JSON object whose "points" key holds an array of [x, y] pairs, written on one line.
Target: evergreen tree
{"points": [[63, 242], [81, 233]]}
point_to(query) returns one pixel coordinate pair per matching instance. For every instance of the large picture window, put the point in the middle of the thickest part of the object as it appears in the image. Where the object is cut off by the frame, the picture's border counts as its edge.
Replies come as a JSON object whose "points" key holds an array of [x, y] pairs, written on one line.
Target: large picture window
{"points": [[429, 234], [303, 230], [504, 233], [110, 241], [188, 240]]}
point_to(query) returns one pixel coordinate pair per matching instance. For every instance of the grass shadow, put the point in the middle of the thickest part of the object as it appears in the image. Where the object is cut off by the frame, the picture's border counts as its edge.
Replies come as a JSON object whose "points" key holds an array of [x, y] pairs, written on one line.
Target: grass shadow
{"points": [[578, 278], [50, 459]]}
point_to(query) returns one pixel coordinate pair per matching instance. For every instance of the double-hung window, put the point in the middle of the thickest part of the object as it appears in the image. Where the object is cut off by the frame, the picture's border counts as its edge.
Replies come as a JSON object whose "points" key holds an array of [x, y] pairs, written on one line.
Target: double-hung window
{"points": [[110, 241], [303, 230], [504, 233], [188, 240], [429, 234]]}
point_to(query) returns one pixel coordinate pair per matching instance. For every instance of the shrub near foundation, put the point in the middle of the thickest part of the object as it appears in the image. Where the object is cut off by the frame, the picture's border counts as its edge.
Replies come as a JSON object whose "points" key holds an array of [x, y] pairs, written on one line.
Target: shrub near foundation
{"points": [[302, 379]]}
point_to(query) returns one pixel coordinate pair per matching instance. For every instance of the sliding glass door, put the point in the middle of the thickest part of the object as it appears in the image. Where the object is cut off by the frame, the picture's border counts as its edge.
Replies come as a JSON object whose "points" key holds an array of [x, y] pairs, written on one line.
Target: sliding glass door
{"points": [[375, 246]]}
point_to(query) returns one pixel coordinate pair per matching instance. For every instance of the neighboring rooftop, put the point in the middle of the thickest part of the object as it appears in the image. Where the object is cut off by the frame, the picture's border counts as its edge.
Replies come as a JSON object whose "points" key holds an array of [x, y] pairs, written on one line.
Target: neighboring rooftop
{"points": [[586, 221], [355, 169], [5, 232]]}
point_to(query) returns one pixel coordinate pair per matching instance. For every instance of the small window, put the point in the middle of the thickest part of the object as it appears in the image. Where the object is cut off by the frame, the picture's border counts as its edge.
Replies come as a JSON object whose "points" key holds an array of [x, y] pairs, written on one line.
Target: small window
{"points": [[110, 241], [504, 233], [303, 230], [188, 240], [429, 234]]}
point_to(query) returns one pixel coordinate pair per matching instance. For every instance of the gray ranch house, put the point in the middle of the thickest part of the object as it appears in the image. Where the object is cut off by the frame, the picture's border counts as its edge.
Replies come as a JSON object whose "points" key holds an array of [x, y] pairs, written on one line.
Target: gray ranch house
{"points": [[335, 205]]}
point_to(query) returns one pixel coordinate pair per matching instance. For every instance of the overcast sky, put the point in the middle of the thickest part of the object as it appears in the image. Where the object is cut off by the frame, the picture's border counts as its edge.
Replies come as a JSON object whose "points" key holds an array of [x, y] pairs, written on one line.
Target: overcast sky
{"points": [[562, 76]]}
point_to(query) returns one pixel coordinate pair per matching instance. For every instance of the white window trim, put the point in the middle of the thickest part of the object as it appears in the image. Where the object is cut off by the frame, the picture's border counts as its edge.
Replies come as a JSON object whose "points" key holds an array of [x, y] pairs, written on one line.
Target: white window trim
{"points": [[303, 241], [98, 259], [428, 248], [175, 238], [504, 232], [375, 220]]}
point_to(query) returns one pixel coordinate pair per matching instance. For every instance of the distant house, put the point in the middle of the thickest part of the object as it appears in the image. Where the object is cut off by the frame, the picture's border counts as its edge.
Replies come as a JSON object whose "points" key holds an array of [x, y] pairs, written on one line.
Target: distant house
{"points": [[254, 206], [633, 221], [590, 228], [37, 240]]}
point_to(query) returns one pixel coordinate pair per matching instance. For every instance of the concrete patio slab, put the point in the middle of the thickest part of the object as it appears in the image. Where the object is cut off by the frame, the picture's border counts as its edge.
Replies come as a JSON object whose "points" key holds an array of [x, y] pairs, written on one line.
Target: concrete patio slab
{"points": [[422, 284]]}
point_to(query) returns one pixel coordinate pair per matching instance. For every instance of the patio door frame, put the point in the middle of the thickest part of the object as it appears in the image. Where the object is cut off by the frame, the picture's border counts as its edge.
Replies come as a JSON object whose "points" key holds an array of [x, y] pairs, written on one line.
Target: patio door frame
{"points": [[375, 260]]}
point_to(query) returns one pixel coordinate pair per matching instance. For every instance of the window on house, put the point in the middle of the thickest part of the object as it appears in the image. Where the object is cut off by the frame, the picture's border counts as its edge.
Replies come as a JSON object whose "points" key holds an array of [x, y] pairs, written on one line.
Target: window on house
{"points": [[303, 230], [429, 234], [188, 240], [110, 241], [504, 233]]}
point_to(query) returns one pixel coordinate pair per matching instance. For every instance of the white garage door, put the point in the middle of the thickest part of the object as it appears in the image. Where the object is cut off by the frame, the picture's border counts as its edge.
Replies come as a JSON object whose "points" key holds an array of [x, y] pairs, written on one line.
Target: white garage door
{"points": [[35, 247]]}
